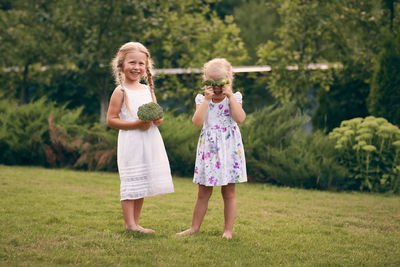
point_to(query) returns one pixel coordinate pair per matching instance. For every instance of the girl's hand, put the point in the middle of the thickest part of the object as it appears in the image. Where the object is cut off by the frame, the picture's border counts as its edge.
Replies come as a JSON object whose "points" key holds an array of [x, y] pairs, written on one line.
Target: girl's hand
{"points": [[227, 90], [157, 122], [143, 125], [209, 93]]}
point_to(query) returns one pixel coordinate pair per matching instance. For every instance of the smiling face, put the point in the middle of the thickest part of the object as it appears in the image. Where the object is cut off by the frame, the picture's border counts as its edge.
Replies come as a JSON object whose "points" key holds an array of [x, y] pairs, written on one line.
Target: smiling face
{"points": [[134, 66]]}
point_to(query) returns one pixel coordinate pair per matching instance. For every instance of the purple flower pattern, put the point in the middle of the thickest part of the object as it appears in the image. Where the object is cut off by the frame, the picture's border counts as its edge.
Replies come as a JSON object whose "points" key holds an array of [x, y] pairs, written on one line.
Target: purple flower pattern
{"points": [[220, 157]]}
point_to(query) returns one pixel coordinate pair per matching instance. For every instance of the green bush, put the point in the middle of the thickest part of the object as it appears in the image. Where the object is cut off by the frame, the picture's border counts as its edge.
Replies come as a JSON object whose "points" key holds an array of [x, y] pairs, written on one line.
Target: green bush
{"points": [[361, 154], [279, 151], [23, 132], [80, 145], [40, 133], [99, 149], [344, 99], [369, 148], [180, 139], [384, 97]]}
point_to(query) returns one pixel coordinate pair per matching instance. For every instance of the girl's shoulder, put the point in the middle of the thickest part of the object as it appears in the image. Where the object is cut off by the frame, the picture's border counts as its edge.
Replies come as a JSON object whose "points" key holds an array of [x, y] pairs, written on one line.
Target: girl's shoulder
{"points": [[119, 90], [199, 98], [239, 97]]}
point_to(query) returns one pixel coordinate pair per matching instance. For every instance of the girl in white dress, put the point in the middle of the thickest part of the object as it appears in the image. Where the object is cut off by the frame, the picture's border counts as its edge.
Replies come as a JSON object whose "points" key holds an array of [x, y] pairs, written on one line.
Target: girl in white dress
{"points": [[220, 159], [142, 160]]}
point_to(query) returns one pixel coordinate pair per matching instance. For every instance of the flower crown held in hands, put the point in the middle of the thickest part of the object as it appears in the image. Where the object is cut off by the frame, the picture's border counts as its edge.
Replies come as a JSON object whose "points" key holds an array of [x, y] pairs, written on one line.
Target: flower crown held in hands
{"points": [[150, 111], [213, 83]]}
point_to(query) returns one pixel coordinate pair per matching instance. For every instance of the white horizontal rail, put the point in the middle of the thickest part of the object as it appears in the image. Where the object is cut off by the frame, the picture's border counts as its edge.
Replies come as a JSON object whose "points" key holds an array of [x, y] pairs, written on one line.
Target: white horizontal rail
{"points": [[265, 68]]}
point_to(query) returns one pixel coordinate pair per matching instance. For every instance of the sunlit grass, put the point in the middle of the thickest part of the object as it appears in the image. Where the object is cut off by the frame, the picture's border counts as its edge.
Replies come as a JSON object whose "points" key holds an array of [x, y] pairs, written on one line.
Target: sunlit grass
{"points": [[63, 217]]}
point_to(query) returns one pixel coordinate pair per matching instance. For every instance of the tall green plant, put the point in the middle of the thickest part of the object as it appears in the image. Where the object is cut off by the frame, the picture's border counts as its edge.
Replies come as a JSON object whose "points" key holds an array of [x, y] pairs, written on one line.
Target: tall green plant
{"points": [[369, 148], [279, 151], [41, 133], [313, 31], [98, 150], [384, 97], [345, 99], [24, 131], [180, 138]]}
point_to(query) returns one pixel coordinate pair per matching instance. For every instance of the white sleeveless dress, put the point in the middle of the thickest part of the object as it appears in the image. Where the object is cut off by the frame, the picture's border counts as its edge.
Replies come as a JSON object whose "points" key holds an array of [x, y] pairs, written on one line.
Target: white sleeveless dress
{"points": [[142, 160]]}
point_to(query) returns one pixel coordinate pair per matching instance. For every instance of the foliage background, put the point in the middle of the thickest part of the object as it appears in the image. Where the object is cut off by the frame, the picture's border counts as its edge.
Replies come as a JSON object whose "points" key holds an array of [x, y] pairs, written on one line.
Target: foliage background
{"points": [[56, 81]]}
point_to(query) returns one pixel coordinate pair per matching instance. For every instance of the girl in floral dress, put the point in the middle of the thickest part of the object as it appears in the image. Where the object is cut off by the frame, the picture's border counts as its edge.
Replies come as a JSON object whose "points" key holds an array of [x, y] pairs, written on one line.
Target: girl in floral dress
{"points": [[220, 159]]}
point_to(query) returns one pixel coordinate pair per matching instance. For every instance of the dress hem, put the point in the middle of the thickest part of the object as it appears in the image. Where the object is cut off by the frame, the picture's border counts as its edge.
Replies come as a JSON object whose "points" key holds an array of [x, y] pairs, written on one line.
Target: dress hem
{"points": [[221, 184], [149, 195]]}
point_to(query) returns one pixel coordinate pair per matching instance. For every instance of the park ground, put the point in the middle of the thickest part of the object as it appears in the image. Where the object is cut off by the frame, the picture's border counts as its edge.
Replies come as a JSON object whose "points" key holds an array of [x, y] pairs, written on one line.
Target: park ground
{"points": [[64, 217]]}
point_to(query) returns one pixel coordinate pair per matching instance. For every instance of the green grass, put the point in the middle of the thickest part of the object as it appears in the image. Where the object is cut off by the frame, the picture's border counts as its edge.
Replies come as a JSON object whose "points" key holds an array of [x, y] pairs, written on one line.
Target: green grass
{"points": [[63, 217]]}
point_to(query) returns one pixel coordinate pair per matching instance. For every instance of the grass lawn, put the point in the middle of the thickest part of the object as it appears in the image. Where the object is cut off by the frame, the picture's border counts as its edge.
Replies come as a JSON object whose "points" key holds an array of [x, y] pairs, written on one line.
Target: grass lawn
{"points": [[64, 217]]}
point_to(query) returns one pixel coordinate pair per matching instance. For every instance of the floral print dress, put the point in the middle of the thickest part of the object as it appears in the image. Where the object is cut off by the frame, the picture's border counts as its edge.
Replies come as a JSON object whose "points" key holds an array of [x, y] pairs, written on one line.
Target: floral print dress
{"points": [[220, 158]]}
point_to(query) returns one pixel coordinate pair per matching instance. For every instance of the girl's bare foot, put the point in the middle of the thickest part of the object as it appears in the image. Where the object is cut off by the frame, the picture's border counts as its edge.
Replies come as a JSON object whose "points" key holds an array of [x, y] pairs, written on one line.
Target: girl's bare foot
{"points": [[227, 235], [145, 230], [187, 232], [133, 229], [139, 228]]}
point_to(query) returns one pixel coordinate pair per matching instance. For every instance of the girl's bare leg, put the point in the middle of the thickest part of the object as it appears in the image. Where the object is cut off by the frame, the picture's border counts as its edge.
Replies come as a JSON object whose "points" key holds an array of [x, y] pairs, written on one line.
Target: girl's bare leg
{"points": [[228, 194], [200, 210], [137, 209], [128, 212], [131, 210]]}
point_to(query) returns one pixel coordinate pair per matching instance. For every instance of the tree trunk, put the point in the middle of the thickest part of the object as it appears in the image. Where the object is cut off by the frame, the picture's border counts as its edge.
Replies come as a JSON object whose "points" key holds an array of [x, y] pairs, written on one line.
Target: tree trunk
{"points": [[391, 15], [22, 97]]}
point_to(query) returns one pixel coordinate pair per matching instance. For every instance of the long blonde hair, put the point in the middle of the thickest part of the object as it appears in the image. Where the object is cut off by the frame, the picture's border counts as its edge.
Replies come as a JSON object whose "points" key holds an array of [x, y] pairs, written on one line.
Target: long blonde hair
{"points": [[119, 76]]}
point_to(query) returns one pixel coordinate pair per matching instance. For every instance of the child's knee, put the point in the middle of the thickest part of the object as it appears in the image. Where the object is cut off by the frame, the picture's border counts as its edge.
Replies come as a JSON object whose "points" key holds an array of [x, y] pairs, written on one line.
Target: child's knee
{"points": [[228, 193], [204, 193]]}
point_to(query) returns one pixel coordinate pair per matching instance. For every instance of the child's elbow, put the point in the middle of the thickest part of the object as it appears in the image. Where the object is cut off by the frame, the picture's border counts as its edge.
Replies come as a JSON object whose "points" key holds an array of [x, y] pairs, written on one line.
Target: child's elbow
{"points": [[196, 123], [241, 119], [109, 122]]}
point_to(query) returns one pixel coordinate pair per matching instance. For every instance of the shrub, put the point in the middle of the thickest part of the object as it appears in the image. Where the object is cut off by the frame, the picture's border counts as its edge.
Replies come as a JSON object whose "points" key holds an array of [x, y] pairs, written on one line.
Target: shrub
{"points": [[344, 99], [39, 133], [369, 148], [80, 145], [180, 138], [279, 151], [99, 149], [23, 132], [384, 97]]}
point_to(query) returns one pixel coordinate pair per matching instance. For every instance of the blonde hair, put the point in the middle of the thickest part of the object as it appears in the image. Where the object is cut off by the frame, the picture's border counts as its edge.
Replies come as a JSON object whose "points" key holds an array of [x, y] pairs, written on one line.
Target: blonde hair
{"points": [[117, 64], [217, 69]]}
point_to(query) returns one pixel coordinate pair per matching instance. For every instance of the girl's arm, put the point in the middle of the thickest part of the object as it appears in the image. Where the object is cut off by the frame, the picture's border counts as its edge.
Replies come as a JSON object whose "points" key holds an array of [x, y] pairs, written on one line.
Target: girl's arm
{"points": [[201, 110], [237, 111], [114, 109]]}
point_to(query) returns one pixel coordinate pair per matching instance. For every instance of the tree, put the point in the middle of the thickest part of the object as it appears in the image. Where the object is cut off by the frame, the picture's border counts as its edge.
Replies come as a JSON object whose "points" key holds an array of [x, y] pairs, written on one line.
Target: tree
{"points": [[391, 6], [76, 40], [30, 38], [301, 40], [257, 28], [384, 97], [344, 100], [358, 39], [177, 33], [312, 31]]}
